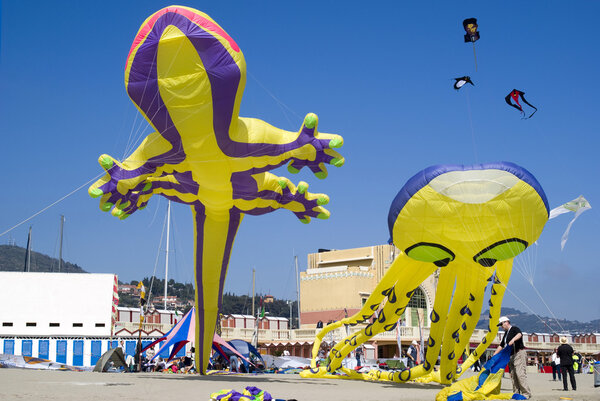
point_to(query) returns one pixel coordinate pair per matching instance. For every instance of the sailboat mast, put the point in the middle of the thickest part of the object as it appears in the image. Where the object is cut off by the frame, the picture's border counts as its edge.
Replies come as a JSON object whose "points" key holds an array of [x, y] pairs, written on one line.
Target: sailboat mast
{"points": [[253, 275], [62, 224], [297, 288], [167, 254]]}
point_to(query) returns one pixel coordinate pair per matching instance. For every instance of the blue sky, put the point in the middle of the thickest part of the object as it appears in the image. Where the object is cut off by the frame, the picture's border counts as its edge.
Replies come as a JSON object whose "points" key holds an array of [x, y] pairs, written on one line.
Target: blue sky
{"points": [[380, 75]]}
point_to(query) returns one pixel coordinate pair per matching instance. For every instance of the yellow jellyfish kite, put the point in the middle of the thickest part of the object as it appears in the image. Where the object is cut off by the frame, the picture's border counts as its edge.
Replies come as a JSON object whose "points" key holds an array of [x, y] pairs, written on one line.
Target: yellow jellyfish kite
{"points": [[186, 75], [467, 221]]}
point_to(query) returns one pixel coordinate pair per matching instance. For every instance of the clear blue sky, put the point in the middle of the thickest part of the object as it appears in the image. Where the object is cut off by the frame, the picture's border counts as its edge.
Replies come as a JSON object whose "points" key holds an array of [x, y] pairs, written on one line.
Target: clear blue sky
{"points": [[379, 75]]}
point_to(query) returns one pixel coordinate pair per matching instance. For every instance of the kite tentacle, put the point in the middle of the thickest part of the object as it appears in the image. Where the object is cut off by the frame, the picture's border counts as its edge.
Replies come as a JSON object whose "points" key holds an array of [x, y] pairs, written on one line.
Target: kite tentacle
{"points": [[265, 192], [214, 234], [370, 306], [461, 321], [498, 288], [397, 297]]}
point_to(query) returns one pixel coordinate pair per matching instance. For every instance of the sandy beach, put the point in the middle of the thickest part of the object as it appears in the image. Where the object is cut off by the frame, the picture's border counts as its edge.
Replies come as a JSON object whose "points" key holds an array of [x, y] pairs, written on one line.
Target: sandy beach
{"points": [[17, 384]]}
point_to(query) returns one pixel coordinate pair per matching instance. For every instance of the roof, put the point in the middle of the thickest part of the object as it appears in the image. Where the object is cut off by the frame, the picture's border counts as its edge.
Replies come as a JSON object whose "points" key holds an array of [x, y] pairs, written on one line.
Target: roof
{"points": [[276, 318]]}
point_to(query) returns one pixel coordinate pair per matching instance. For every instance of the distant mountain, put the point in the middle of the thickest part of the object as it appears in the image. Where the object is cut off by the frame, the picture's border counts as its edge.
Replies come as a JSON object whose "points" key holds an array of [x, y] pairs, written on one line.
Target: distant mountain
{"points": [[12, 259], [532, 324]]}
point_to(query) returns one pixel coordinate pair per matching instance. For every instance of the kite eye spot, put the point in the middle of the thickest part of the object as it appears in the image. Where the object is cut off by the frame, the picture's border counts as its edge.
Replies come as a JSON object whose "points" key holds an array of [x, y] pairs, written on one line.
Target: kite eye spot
{"points": [[487, 262], [431, 253], [501, 250], [442, 263]]}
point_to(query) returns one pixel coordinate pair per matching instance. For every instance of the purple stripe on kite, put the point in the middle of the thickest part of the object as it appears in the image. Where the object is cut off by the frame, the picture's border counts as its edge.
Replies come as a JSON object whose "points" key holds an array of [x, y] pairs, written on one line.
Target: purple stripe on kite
{"points": [[220, 68], [224, 76], [235, 219], [258, 211], [255, 170], [199, 220]]}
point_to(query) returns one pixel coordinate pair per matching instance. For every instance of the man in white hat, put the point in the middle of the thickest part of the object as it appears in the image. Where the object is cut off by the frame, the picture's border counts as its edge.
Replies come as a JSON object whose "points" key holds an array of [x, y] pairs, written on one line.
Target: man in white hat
{"points": [[565, 352], [518, 357], [412, 354]]}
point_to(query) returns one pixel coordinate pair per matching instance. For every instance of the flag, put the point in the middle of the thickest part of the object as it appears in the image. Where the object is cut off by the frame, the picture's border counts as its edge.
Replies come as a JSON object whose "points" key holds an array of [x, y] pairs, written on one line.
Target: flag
{"points": [[577, 206], [142, 289]]}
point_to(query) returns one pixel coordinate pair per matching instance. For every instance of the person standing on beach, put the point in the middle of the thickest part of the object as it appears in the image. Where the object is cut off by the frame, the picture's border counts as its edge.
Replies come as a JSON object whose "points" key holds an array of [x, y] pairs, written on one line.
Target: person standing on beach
{"points": [[518, 356], [412, 354], [555, 366], [565, 353], [234, 364], [359, 353]]}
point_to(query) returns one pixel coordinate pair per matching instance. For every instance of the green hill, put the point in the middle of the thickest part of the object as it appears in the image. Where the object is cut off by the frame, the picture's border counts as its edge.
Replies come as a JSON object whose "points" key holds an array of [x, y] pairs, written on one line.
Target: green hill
{"points": [[12, 259], [530, 323]]}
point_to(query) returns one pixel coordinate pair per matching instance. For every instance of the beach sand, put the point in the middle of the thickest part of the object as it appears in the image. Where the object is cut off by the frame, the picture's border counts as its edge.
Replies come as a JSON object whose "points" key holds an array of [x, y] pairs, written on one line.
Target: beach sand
{"points": [[19, 384]]}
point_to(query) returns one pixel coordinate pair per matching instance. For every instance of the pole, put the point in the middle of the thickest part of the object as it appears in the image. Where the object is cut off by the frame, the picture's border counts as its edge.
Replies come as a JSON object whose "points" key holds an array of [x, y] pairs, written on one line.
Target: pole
{"points": [[253, 276], [139, 344], [399, 337], [62, 223], [167, 254], [297, 288], [290, 304]]}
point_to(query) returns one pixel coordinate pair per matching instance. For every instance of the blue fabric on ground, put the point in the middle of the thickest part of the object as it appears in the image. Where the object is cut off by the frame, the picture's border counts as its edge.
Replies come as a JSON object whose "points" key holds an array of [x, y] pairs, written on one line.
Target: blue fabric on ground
{"points": [[496, 363], [455, 397]]}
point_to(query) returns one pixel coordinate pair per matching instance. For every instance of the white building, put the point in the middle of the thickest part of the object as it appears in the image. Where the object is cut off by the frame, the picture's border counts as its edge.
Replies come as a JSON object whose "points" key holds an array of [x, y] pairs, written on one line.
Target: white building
{"points": [[67, 317], [56, 304]]}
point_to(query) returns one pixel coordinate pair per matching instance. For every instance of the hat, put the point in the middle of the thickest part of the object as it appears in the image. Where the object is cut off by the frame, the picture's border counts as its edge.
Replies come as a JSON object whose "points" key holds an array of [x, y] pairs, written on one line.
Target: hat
{"points": [[563, 340], [502, 320], [414, 342]]}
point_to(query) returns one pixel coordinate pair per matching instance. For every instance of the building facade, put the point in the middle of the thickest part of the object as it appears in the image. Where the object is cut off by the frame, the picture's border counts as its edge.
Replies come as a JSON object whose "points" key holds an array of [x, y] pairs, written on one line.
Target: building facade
{"points": [[337, 283], [71, 318]]}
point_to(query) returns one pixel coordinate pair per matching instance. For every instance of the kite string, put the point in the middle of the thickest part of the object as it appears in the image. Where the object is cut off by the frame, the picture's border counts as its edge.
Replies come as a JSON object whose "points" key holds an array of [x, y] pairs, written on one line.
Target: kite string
{"points": [[50, 205], [156, 261], [281, 104], [550, 310], [525, 265]]}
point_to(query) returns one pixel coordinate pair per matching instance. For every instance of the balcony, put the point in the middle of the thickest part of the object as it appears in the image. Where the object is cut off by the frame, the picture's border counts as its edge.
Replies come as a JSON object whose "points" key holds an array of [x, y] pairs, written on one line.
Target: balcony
{"points": [[147, 327]]}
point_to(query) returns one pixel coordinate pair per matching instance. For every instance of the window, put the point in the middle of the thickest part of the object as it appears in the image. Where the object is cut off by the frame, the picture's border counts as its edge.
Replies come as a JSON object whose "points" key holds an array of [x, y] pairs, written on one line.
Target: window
{"points": [[77, 324], [418, 299], [418, 305], [31, 324], [100, 325], [54, 325], [7, 324]]}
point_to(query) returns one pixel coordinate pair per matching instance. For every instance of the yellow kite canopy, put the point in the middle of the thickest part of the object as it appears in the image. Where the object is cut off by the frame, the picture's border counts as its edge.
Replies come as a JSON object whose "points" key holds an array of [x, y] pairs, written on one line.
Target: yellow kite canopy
{"points": [[467, 221], [186, 75]]}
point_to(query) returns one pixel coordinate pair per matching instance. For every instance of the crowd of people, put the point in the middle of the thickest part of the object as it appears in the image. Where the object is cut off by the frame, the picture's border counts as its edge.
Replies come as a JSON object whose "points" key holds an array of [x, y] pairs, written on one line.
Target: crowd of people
{"points": [[150, 363], [235, 364]]}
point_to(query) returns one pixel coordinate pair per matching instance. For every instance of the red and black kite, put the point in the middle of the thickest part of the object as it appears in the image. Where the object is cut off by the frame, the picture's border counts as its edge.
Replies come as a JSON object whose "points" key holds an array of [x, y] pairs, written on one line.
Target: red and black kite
{"points": [[515, 95]]}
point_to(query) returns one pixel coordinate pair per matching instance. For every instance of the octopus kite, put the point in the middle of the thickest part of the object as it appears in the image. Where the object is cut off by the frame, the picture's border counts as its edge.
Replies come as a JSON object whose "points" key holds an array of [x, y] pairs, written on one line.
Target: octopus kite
{"points": [[186, 75], [467, 221]]}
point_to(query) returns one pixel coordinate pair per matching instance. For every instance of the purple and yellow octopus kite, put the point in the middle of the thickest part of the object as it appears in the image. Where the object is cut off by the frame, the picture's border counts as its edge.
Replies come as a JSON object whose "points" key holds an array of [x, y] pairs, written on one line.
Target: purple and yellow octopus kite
{"points": [[186, 75]]}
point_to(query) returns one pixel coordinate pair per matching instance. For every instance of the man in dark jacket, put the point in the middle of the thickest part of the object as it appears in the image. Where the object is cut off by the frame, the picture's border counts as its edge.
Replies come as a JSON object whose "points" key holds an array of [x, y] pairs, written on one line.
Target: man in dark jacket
{"points": [[513, 337], [565, 353]]}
